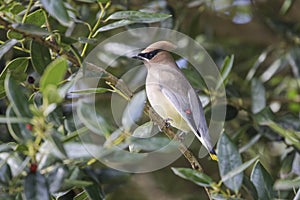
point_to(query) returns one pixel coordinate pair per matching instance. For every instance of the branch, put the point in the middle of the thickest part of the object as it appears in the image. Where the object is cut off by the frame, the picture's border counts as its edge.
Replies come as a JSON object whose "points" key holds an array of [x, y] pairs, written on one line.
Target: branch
{"points": [[54, 47]]}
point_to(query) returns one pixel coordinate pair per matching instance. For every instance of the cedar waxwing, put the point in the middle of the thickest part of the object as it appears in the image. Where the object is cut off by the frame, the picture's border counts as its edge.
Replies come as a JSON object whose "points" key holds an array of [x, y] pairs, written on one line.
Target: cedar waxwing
{"points": [[171, 95]]}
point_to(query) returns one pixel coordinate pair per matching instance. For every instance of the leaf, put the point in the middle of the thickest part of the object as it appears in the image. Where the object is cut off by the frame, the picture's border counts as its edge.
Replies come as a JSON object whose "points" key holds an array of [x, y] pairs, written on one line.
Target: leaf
{"points": [[37, 18], [239, 169], [7, 46], [140, 17], [81, 196], [5, 173], [287, 4], [40, 56], [54, 73], [249, 187], [56, 9], [134, 110], [115, 25], [31, 29], [92, 90], [264, 116], [273, 68], [35, 187], [56, 178], [145, 130], [17, 68], [262, 181], [91, 119], [196, 177], [149, 144], [287, 184], [229, 160], [95, 192], [17, 98], [57, 143], [258, 95], [225, 70]]}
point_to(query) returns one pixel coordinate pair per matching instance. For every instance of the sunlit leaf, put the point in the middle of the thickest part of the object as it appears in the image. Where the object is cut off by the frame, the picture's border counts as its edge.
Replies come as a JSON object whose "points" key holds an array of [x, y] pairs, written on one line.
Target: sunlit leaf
{"points": [[229, 160], [37, 18], [262, 181], [239, 169], [195, 176], [225, 70], [35, 187], [258, 95], [7, 46], [54, 73]]}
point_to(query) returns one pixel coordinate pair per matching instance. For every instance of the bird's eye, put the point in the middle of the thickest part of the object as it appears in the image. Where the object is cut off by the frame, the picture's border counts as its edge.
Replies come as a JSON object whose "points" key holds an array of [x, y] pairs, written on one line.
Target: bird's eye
{"points": [[150, 54]]}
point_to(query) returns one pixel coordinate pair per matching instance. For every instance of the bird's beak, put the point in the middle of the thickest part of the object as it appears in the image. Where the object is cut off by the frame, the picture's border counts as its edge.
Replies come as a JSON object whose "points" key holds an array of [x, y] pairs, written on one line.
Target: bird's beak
{"points": [[139, 57]]}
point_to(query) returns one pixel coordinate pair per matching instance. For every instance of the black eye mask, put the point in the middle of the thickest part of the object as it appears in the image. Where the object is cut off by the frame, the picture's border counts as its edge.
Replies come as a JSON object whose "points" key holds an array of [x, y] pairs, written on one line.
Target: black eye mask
{"points": [[149, 55]]}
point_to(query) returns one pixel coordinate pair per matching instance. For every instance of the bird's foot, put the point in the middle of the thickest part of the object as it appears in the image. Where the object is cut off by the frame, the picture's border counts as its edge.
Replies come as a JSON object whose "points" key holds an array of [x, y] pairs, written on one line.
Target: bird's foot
{"points": [[180, 136], [167, 122]]}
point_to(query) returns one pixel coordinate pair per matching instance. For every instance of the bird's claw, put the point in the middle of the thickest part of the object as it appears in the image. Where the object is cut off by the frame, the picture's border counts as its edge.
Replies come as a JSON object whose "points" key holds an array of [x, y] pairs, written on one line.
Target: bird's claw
{"points": [[180, 136]]}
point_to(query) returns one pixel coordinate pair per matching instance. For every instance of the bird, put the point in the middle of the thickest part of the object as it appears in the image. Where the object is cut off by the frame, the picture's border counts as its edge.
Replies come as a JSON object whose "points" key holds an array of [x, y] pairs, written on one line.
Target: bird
{"points": [[171, 95]]}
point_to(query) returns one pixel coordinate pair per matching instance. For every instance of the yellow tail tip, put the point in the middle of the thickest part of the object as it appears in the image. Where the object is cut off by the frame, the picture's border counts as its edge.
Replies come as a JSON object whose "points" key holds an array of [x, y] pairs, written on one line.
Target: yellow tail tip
{"points": [[214, 157]]}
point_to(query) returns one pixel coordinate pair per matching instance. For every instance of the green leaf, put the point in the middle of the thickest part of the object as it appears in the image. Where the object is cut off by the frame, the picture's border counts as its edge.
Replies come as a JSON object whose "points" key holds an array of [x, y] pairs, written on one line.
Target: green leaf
{"points": [[140, 17], [149, 144], [14, 35], [81, 196], [249, 187], [17, 68], [31, 29], [56, 9], [94, 191], [37, 18], [258, 95], [93, 90], [5, 173], [264, 116], [56, 178], [145, 130], [229, 160], [134, 110], [35, 187], [7, 46], [218, 196], [54, 73], [16, 97], [225, 70], [91, 119], [262, 181], [40, 56], [196, 177], [239, 169], [115, 25], [287, 184], [287, 4], [57, 143]]}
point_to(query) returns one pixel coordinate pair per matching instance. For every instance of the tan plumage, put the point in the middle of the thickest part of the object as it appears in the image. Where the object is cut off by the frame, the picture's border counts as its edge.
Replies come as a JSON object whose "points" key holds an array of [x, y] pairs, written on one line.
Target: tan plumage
{"points": [[171, 95]]}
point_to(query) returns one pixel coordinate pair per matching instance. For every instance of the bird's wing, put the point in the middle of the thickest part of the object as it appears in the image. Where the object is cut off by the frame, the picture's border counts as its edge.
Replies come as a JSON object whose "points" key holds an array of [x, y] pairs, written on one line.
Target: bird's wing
{"points": [[184, 98]]}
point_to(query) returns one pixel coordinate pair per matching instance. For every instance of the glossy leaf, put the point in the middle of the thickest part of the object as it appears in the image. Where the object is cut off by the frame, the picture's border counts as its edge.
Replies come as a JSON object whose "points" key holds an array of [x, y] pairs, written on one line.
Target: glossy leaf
{"points": [[54, 73], [115, 25], [258, 95], [31, 29], [229, 160], [7, 46], [239, 169], [141, 17], [249, 187], [56, 9], [56, 178], [35, 187], [18, 99], [196, 177], [57, 143], [40, 57], [262, 181], [81, 196]]}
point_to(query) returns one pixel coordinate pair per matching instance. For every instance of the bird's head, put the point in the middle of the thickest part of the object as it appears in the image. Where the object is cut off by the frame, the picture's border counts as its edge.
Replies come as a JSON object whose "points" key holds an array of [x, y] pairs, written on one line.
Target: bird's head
{"points": [[157, 52]]}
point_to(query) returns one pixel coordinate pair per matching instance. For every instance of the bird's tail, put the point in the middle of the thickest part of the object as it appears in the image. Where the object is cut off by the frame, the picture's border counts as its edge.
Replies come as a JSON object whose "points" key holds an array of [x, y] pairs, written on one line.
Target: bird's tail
{"points": [[213, 155]]}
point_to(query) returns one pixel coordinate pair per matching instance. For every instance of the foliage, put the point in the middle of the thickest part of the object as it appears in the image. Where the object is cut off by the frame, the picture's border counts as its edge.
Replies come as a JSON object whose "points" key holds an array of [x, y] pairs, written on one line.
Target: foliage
{"points": [[43, 44]]}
